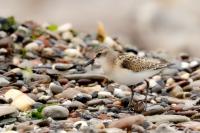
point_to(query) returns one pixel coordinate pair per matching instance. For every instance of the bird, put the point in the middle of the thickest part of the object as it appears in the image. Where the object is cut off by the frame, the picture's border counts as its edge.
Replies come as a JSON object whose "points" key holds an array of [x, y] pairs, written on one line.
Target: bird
{"points": [[126, 68]]}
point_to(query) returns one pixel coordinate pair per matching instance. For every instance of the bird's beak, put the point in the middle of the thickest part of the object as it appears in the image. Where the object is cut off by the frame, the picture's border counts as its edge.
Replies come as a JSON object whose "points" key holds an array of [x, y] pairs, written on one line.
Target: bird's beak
{"points": [[91, 61]]}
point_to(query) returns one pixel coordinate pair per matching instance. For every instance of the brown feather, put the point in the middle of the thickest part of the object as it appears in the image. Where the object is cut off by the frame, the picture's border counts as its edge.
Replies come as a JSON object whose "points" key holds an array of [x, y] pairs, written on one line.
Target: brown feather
{"points": [[138, 64]]}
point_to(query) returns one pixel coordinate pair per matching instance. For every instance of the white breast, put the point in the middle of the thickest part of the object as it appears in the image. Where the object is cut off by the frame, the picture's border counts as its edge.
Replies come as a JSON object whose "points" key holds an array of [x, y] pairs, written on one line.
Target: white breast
{"points": [[125, 76]]}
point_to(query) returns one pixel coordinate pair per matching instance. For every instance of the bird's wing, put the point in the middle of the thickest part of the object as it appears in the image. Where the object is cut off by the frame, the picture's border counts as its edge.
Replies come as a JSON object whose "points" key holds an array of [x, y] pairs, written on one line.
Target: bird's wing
{"points": [[138, 64]]}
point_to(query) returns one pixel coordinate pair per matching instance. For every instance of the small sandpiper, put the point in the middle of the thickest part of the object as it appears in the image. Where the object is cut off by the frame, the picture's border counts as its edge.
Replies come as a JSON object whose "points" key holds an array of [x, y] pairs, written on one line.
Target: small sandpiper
{"points": [[128, 69]]}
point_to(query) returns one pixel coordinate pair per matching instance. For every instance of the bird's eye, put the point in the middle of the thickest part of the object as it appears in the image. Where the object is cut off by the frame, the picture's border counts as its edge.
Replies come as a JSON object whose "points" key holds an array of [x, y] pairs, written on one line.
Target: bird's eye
{"points": [[98, 54]]}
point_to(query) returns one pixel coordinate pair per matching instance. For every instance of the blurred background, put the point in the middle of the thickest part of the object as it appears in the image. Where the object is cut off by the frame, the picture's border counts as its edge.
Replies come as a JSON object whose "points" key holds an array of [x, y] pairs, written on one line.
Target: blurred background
{"points": [[166, 25]]}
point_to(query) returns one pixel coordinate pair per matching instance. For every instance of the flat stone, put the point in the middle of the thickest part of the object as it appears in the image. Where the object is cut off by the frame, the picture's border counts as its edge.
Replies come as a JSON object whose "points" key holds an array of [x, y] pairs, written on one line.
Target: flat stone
{"points": [[7, 109], [127, 122], [154, 109], [69, 93], [104, 94], [55, 112], [83, 97], [167, 118]]}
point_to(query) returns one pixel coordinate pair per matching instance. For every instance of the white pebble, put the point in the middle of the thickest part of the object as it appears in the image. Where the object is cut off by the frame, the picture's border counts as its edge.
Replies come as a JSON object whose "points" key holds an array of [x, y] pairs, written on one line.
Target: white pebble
{"points": [[184, 65], [67, 35], [152, 83], [33, 46], [104, 94], [65, 27], [72, 52], [119, 93], [194, 63]]}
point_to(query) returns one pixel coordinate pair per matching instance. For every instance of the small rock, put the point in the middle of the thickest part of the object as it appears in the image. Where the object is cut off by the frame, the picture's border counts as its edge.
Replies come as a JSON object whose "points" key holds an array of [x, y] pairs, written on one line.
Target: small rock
{"points": [[157, 88], [65, 27], [95, 102], [4, 82], [72, 53], [194, 64], [83, 97], [80, 125], [152, 83], [20, 100], [120, 93], [90, 90], [67, 35], [164, 128], [167, 118], [104, 94], [7, 121], [185, 75], [184, 65], [74, 105], [69, 93], [6, 110], [55, 89], [33, 46], [194, 125], [155, 109], [62, 67], [55, 112], [113, 130], [47, 52], [127, 122]]}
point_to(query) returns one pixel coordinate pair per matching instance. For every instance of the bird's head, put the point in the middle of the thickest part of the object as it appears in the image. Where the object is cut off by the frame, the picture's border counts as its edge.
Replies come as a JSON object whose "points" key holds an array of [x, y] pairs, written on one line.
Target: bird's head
{"points": [[103, 52]]}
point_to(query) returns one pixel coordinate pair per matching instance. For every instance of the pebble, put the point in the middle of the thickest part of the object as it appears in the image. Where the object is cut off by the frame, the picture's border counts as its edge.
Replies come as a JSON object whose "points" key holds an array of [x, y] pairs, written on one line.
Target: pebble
{"points": [[120, 93], [114, 130], [167, 118], [33, 46], [20, 100], [55, 89], [55, 112], [127, 122], [83, 97], [184, 65], [95, 102], [72, 53], [65, 27], [4, 82], [62, 67], [104, 94], [194, 64], [69, 93], [157, 88], [76, 105], [7, 109], [164, 128], [80, 125], [154, 109]]}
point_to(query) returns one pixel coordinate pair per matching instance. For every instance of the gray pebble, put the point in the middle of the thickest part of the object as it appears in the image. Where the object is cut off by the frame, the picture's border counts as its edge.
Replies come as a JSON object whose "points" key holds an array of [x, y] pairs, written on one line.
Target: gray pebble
{"points": [[55, 112], [55, 89]]}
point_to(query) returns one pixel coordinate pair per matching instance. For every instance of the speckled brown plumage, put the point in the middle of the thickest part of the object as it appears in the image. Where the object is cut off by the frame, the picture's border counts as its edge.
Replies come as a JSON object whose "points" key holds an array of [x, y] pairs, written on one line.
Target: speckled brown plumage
{"points": [[138, 64]]}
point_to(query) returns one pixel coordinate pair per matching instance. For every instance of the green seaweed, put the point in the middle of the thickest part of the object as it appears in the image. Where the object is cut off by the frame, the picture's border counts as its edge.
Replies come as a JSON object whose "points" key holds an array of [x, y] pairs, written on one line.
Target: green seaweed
{"points": [[52, 27]]}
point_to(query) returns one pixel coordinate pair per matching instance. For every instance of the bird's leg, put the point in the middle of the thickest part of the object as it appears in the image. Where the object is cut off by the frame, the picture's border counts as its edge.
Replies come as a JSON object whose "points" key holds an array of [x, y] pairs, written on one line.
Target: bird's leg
{"points": [[147, 91], [132, 94]]}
